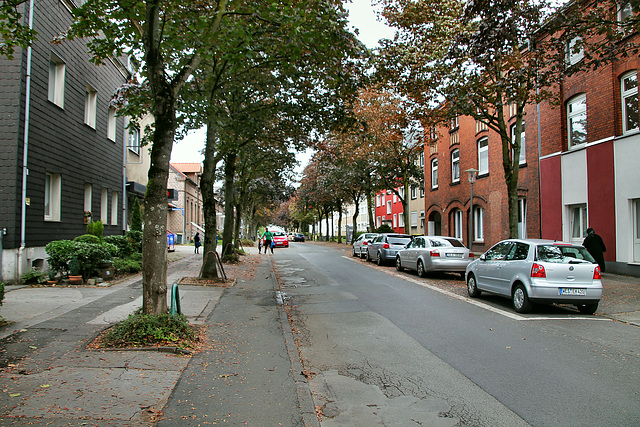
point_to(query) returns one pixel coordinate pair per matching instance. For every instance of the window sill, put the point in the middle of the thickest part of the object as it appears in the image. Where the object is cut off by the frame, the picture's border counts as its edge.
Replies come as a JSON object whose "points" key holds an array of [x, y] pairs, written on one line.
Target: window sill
{"points": [[454, 183], [433, 188], [484, 175]]}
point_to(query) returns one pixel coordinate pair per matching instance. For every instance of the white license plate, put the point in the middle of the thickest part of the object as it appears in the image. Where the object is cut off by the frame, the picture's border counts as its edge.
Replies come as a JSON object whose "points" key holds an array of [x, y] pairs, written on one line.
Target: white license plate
{"points": [[573, 291], [454, 255]]}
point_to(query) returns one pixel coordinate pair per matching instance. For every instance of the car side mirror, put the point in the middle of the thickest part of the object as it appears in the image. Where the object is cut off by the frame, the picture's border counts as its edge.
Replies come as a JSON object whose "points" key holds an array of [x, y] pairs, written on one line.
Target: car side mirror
{"points": [[483, 258]]}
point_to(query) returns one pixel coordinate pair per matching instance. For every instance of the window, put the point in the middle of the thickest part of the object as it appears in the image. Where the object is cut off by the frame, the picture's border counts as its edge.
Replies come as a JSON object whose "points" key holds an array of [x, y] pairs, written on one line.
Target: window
{"points": [[478, 224], [421, 159], [434, 173], [422, 219], [625, 11], [90, 106], [395, 198], [483, 156], [104, 205], [456, 219], [519, 251], [636, 230], [111, 124], [56, 80], [414, 219], [498, 252], [629, 88], [523, 153], [522, 218], [114, 208], [377, 200], [455, 166], [395, 220], [382, 203], [577, 120], [414, 192], [133, 142], [578, 222], [422, 190], [454, 123], [389, 207], [378, 222], [575, 51], [87, 197], [52, 196], [401, 220]]}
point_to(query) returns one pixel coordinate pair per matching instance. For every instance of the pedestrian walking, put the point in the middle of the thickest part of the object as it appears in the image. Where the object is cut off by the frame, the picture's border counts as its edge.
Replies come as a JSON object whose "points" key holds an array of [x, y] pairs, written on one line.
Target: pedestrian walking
{"points": [[595, 246], [196, 243], [268, 237]]}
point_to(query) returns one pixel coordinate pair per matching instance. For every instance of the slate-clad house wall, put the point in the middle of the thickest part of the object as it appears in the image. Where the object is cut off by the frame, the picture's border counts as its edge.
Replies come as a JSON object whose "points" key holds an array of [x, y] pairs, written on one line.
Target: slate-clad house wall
{"points": [[80, 154]]}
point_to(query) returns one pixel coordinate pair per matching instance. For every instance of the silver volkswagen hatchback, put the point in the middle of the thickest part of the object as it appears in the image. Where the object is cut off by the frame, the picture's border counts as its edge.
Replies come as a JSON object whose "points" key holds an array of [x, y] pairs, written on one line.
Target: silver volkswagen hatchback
{"points": [[531, 270], [434, 253]]}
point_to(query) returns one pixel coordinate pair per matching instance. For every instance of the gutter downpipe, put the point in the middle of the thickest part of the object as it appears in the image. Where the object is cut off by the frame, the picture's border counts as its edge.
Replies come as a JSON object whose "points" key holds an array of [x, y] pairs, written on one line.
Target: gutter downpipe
{"points": [[539, 155], [25, 150]]}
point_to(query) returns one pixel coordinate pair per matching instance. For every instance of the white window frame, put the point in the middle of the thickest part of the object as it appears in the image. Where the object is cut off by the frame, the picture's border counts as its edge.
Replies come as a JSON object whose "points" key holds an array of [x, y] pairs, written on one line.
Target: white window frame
{"points": [[635, 208], [455, 165], [57, 70], [395, 198], [478, 224], [434, 173], [629, 97], [388, 207], [378, 222], [395, 221], [414, 192], [377, 200], [112, 124], [522, 218], [578, 221], [52, 196], [454, 123], [523, 146], [457, 223], [104, 205], [414, 219], [422, 191], [88, 190], [133, 139], [114, 208], [422, 159], [483, 156], [573, 56], [90, 106], [625, 11], [576, 114]]}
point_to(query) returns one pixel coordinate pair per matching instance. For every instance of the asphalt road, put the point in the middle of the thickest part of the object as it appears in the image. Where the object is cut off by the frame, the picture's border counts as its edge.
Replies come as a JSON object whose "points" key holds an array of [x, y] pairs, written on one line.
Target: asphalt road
{"points": [[387, 348]]}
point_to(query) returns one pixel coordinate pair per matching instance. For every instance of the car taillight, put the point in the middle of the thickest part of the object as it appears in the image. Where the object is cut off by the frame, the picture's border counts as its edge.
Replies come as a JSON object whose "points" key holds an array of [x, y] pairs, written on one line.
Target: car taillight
{"points": [[434, 253], [537, 270], [385, 246], [471, 255], [596, 273], [365, 243]]}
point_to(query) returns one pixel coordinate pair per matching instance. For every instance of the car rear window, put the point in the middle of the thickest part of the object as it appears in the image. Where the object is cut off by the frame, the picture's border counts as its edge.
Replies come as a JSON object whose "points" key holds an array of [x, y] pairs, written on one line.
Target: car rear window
{"points": [[398, 240], [563, 254], [454, 242]]}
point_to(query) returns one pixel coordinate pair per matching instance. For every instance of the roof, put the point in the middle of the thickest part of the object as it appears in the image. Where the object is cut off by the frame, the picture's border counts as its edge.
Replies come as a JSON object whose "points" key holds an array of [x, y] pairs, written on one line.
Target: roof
{"points": [[188, 167]]}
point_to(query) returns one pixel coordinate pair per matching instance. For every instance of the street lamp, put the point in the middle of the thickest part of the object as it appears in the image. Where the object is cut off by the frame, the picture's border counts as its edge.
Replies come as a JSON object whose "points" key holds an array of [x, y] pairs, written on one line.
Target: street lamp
{"points": [[472, 178]]}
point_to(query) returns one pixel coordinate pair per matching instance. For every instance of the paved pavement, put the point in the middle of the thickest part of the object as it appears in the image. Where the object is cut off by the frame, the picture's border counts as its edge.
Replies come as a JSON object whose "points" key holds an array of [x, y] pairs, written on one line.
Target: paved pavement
{"points": [[249, 375]]}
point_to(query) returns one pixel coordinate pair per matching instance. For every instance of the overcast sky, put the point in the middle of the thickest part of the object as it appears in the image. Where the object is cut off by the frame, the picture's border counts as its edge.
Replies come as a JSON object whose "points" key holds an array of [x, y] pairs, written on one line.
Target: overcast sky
{"points": [[361, 16]]}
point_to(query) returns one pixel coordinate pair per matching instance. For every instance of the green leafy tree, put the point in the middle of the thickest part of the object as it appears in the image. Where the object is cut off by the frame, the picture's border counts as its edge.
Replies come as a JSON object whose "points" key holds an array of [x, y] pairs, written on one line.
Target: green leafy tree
{"points": [[14, 27], [136, 216]]}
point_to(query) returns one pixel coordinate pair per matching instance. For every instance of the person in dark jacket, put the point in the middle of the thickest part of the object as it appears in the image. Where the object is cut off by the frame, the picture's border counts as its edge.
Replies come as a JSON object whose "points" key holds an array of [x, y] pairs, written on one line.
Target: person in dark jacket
{"points": [[196, 243], [595, 246]]}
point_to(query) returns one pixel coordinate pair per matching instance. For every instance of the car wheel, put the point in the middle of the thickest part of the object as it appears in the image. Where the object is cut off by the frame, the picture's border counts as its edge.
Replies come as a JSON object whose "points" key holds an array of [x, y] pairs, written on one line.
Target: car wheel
{"points": [[399, 264], [379, 259], [520, 300], [353, 252], [472, 287], [367, 256], [587, 308], [421, 270]]}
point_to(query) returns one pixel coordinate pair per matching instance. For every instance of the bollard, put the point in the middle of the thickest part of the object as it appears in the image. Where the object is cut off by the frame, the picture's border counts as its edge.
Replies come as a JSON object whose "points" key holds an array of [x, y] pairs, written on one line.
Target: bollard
{"points": [[175, 300]]}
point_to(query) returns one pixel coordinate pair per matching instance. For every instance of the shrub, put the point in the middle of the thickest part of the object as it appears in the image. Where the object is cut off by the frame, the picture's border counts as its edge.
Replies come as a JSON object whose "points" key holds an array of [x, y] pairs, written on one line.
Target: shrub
{"points": [[147, 330], [136, 239], [34, 276], [87, 255], [88, 238], [384, 228], [136, 217], [95, 228], [123, 244], [1, 293], [127, 265]]}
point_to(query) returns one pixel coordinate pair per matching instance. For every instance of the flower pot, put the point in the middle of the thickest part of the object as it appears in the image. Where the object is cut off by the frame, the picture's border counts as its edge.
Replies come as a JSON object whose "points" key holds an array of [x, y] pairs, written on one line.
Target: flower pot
{"points": [[75, 280], [52, 282]]}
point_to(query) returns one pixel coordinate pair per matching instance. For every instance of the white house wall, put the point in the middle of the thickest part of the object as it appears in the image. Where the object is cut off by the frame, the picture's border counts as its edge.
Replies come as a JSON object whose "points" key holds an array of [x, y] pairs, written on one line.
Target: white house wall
{"points": [[627, 184]]}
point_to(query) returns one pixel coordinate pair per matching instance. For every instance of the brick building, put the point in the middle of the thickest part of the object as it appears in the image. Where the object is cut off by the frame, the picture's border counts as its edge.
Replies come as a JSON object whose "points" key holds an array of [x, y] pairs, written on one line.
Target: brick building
{"points": [[589, 165], [185, 217], [61, 143], [467, 144]]}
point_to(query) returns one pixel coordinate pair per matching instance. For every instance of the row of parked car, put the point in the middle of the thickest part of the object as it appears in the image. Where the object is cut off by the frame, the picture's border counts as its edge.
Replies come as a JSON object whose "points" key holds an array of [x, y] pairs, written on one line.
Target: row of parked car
{"points": [[527, 271]]}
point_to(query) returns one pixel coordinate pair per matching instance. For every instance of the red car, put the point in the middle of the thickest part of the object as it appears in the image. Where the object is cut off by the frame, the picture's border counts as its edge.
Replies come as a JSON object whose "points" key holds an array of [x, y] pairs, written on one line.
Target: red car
{"points": [[280, 239]]}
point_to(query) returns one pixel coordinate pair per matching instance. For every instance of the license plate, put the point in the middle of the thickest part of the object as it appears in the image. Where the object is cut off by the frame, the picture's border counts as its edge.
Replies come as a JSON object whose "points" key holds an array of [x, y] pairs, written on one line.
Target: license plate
{"points": [[454, 255], [573, 291]]}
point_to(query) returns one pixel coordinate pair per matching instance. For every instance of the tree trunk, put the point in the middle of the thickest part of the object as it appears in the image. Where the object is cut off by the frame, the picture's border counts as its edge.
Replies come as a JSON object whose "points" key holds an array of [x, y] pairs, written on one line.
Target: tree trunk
{"points": [[354, 219], [229, 175], [209, 268], [405, 207], [340, 223], [371, 213]]}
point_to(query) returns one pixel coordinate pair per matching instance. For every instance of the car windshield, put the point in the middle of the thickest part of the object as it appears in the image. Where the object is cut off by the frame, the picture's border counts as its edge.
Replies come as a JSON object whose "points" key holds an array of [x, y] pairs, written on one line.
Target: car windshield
{"points": [[563, 254], [399, 240], [278, 234]]}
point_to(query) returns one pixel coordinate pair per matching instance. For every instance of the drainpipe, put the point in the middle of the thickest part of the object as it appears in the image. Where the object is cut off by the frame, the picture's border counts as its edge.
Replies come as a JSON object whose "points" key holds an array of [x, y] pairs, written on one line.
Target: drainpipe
{"points": [[124, 182], [25, 150]]}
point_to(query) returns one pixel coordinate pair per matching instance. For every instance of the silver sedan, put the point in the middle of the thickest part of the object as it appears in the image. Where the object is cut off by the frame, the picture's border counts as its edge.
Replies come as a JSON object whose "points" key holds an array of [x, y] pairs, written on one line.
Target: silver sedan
{"points": [[434, 253], [361, 243]]}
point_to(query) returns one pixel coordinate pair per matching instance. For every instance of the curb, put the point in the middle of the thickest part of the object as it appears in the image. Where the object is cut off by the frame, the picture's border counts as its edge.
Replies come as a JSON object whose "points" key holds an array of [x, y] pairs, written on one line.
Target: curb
{"points": [[305, 399]]}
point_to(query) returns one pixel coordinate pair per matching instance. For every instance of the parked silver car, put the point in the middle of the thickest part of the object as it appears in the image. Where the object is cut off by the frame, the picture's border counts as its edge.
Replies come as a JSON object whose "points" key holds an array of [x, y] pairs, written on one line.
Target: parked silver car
{"points": [[529, 271], [434, 253], [361, 243], [385, 247]]}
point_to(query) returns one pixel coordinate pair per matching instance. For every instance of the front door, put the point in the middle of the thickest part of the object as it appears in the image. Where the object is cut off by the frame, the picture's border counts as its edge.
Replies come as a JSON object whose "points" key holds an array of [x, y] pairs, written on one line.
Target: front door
{"points": [[636, 230]]}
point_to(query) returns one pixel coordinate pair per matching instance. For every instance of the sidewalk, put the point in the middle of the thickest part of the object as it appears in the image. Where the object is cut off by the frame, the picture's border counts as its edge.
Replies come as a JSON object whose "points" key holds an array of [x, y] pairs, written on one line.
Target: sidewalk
{"points": [[50, 378]]}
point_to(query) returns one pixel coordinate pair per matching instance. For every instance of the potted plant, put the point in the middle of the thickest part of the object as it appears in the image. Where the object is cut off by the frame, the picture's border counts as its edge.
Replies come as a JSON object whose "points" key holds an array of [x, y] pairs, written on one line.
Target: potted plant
{"points": [[75, 272], [87, 217], [52, 281]]}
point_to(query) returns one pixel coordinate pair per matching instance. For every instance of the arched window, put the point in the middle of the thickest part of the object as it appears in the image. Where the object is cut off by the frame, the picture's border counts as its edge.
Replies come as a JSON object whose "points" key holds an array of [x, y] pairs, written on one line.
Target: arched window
{"points": [[456, 223]]}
